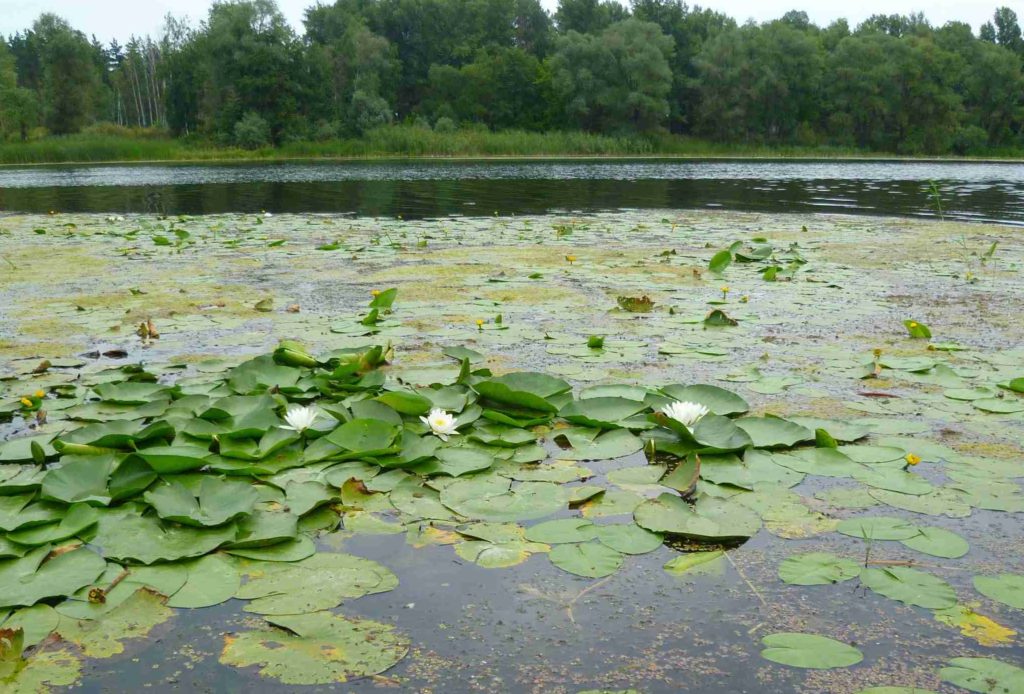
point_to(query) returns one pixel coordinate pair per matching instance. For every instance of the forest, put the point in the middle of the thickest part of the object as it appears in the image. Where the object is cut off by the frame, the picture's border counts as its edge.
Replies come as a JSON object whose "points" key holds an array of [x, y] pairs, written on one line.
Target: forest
{"points": [[242, 77]]}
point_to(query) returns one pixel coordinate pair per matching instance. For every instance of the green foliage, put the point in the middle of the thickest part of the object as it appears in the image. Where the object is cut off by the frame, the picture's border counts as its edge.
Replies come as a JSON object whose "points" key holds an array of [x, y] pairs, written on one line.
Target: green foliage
{"points": [[252, 131]]}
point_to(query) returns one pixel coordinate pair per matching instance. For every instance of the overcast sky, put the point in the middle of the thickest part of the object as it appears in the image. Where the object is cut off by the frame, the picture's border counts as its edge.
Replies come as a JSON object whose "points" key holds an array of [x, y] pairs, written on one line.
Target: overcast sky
{"points": [[119, 19]]}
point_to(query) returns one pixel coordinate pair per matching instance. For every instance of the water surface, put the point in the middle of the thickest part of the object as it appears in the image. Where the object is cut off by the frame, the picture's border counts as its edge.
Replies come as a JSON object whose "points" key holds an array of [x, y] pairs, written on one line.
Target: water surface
{"points": [[991, 192]]}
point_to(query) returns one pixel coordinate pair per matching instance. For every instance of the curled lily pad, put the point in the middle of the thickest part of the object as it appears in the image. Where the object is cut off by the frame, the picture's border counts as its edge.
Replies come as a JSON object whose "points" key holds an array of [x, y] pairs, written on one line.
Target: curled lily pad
{"points": [[124, 534], [718, 400], [695, 563], [709, 519], [528, 390], [774, 432], [218, 501]]}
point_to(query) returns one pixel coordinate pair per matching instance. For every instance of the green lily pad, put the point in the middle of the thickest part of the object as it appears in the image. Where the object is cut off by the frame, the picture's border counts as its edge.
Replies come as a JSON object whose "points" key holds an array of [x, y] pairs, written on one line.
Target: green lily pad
{"points": [[809, 651], [321, 582], [318, 648], [629, 538], [588, 559], [498, 500], [878, 528], [985, 675], [817, 568], [562, 530], [718, 400], [910, 586], [33, 577], [938, 542], [212, 580], [1005, 588], [218, 501], [709, 519]]}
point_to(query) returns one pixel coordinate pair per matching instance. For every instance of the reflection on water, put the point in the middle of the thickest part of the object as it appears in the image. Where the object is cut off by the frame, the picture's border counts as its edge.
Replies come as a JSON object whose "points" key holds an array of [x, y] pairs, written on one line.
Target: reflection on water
{"points": [[969, 191]]}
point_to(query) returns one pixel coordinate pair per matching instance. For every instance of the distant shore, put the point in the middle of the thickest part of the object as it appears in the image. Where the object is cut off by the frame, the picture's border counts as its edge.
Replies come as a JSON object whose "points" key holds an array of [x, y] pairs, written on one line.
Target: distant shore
{"points": [[411, 142]]}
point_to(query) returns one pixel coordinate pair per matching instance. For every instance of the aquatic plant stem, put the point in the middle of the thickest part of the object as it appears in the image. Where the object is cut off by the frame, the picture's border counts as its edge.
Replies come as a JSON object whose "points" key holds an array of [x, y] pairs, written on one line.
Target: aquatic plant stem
{"points": [[746, 580]]}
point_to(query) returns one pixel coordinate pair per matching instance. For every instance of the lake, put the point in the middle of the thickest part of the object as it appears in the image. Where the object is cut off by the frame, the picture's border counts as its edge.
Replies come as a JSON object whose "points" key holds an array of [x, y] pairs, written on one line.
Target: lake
{"points": [[990, 192]]}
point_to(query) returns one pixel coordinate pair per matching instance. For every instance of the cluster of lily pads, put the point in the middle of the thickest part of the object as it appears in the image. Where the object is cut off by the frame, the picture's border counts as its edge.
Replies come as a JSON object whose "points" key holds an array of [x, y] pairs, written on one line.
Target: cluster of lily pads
{"points": [[152, 494]]}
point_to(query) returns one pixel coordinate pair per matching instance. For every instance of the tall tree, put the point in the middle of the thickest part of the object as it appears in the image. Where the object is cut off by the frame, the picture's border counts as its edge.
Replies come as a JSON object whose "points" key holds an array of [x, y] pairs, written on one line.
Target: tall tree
{"points": [[617, 81], [761, 83], [70, 90]]}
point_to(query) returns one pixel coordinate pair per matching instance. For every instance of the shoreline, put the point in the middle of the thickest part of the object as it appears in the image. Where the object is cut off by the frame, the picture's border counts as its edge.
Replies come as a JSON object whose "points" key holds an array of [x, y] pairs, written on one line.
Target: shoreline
{"points": [[867, 157]]}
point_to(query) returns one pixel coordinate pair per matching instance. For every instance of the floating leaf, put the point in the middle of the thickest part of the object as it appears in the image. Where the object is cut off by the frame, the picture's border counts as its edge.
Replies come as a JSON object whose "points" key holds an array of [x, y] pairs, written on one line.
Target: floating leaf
{"points": [[589, 559], [878, 528], [985, 675], [318, 648], [938, 542], [562, 530], [817, 568], [694, 562], [716, 520], [809, 651], [909, 586], [1005, 588], [29, 579], [212, 580]]}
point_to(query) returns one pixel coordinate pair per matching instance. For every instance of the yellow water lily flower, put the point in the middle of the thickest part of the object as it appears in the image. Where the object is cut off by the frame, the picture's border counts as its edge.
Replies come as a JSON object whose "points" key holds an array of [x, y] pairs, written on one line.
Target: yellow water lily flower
{"points": [[571, 259], [40, 393], [375, 292], [480, 322], [26, 402], [912, 459]]}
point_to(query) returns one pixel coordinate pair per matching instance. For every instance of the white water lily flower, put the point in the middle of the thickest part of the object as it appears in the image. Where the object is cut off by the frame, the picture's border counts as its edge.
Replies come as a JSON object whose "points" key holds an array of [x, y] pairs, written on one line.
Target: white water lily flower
{"points": [[686, 413], [441, 423], [300, 418]]}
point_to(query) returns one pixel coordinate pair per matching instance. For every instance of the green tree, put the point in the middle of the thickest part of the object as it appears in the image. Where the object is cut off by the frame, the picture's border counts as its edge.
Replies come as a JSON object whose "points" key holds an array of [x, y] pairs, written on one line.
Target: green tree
{"points": [[502, 88], [761, 83], [251, 61], [18, 107], [993, 92], [891, 94], [70, 87], [588, 16], [1008, 30], [616, 81], [690, 29]]}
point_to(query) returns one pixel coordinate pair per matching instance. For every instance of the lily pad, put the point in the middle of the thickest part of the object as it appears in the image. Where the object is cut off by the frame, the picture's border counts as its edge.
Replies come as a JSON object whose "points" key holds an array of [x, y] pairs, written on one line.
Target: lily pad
{"points": [[318, 648], [1005, 588], [817, 568], [910, 586], [588, 559], [809, 651]]}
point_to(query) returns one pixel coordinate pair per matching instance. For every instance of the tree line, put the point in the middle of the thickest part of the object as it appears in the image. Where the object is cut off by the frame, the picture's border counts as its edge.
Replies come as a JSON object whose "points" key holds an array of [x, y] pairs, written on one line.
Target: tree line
{"points": [[243, 76]]}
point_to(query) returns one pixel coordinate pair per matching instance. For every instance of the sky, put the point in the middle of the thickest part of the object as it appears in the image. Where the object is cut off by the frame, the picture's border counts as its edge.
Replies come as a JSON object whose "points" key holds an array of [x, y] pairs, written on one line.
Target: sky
{"points": [[119, 19]]}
